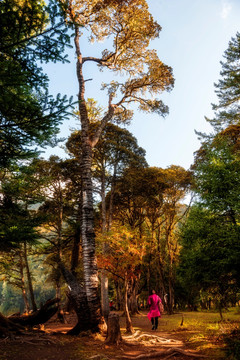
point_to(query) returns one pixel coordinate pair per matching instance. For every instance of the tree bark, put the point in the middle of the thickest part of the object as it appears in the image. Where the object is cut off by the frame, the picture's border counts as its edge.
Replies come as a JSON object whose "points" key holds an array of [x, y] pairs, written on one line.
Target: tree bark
{"points": [[23, 287], [113, 333], [75, 251], [104, 277], [162, 281], [133, 297], [38, 317], [34, 306], [129, 327], [78, 299], [87, 223], [104, 295], [113, 186], [119, 295]]}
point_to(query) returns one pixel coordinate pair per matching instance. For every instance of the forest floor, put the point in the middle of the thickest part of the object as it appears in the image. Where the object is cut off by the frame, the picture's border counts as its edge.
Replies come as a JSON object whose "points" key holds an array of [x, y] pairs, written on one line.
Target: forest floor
{"points": [[194, 335]]}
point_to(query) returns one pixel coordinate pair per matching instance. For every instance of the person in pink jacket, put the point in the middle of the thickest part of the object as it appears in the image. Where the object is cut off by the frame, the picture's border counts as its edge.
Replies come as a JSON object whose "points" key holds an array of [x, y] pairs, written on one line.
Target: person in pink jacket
{"points": [[154, 313]]}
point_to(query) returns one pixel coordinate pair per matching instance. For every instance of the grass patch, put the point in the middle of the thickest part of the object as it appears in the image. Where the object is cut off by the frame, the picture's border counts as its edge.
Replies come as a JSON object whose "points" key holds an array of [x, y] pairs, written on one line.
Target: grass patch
{"points": [[203, 330]]}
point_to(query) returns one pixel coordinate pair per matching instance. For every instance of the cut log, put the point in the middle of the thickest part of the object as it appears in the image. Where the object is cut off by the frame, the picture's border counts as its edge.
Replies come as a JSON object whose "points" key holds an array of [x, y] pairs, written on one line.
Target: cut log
{"points": [[40, 316], [8, 328], [113, 331], [15, 324]]}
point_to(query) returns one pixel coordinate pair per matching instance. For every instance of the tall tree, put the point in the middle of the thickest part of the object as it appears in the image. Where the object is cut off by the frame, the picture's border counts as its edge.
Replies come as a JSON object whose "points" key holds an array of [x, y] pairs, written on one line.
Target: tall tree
{"points": [[217, 184], [216, 164], [131, 27], [210, 256], [227, 111], [19, 192], [216, 171], [116, 149]]}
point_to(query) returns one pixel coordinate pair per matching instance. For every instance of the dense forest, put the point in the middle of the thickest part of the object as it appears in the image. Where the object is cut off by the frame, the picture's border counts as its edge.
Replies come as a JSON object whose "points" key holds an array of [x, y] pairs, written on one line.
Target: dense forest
{"points": [[102, 225]]}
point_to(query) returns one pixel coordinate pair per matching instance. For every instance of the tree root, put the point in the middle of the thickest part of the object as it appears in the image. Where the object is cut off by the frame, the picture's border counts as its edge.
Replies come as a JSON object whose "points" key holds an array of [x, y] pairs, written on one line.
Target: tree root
{"points": [[139, 337], [164, 354], [35, 339], [147, 339]]}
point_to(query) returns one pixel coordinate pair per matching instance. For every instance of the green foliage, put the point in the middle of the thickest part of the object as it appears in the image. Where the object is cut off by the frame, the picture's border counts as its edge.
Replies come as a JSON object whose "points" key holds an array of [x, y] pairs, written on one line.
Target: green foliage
{"points": [[228, 88], [217, 163], [210, 237], [210, 255], [28, 114], [232, 341], [11, 299], [116, 150], [217, 173], [19, 191]]}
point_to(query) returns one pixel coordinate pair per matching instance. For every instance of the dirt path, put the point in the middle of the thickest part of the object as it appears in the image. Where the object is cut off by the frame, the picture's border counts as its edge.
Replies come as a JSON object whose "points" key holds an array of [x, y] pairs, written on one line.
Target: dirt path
{"points": [[54, 344]]}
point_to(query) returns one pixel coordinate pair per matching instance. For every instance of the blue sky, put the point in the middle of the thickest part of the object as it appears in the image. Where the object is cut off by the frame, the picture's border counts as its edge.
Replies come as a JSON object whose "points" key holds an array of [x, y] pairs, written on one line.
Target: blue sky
{"points": [[194, 36]]}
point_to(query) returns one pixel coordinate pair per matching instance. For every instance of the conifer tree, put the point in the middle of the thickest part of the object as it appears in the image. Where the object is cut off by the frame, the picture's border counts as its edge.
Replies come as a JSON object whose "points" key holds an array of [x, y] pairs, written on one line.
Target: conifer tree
{"points": [[227, 111], [28, 114]]}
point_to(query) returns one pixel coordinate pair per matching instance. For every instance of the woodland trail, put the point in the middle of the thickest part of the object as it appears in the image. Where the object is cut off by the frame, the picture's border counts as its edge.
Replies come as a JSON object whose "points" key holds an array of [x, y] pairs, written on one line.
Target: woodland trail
{"points": [[54, 344]]}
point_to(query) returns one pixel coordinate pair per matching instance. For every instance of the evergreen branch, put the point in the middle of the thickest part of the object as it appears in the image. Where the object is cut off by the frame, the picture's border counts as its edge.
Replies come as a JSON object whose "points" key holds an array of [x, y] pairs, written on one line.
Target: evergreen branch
{"points": [[3, 48]]}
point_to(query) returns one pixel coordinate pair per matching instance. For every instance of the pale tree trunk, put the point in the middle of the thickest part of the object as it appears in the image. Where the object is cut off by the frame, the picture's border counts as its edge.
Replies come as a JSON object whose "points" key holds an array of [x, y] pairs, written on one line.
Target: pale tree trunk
{"points": [[149, 269], [30, 286], [165, 297], [171, 295], [88, 239], [23, 287], [170, 273], [104, 294], [129, 327], [104, 277], [113, 185]]}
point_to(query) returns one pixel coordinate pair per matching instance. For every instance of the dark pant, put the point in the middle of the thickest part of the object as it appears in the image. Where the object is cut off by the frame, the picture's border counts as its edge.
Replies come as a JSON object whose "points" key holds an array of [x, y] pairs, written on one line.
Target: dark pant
{"points": [[154, 321]]}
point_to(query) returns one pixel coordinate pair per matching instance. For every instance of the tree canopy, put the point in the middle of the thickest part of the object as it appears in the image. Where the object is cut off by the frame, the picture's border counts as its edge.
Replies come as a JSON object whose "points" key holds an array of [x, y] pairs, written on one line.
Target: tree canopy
{"points": [[29, 116]]}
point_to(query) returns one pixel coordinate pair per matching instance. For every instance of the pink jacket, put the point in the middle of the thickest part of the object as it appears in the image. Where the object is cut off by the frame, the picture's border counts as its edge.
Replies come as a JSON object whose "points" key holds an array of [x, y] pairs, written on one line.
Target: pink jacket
{"points": [[153, 301]]}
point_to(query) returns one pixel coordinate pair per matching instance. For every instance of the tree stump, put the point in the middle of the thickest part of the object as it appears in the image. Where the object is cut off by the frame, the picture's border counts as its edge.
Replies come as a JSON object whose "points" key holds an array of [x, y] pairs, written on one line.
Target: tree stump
{"points": [[113, 332]]}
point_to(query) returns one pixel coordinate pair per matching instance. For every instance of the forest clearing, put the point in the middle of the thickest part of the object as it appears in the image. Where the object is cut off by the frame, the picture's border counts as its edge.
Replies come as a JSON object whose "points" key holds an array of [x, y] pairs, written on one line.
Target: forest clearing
{"points": [[94, 230], [194, 335]]}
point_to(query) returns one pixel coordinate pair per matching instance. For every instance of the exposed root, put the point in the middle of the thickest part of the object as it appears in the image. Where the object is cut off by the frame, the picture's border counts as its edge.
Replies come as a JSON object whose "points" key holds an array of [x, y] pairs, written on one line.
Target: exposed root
{"points": [[164, 354], [147, 339], [150, 339], [32, 340]]}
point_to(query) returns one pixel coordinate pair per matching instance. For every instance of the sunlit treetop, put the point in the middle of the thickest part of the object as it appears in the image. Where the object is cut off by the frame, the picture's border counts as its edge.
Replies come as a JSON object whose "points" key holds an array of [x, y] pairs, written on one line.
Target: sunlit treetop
{"points": [[227, 111], [131, 27]]}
